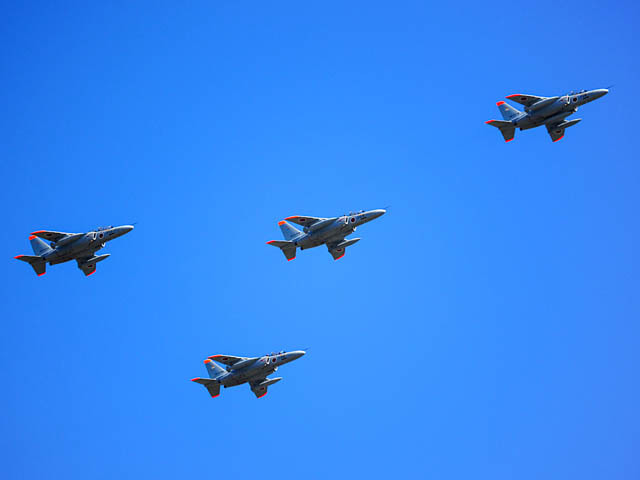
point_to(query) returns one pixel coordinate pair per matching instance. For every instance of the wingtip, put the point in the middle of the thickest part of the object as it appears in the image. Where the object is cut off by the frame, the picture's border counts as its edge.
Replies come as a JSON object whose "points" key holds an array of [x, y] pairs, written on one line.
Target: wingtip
{"points": [[500, 103], [18, 257], [507, 141], [558, 139], [262, 395], [195, 379], [40, 274], [281, 222], [513, 95], [289, 259], [208, 360], [31, 237], [214, 396], [339, 257]]}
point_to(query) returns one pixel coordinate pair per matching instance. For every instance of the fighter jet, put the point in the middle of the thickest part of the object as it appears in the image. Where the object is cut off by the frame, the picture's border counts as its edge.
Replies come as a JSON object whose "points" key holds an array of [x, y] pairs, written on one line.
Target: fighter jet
{"points": [[81, 247], [241, 370], [318, 231], [548, 111]]}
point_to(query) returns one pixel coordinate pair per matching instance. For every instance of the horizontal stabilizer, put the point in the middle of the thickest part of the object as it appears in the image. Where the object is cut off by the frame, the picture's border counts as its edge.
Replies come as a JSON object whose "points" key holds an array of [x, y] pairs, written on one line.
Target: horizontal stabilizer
{"points": [[38, 263], [506, 128], [288, 248], [211, 385]]}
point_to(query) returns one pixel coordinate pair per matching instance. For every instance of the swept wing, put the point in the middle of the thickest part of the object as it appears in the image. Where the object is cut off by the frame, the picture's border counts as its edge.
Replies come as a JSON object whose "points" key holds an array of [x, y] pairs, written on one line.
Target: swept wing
{"points": [[51, 235], [304, 221], [555, 132], [229, 360], [526, 100]]}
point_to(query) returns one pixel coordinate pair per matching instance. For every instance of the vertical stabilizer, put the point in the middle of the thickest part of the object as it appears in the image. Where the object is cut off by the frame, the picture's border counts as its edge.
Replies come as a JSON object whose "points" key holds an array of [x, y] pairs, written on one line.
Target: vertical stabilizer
{"points": [[213, 368], [39, 246], [507, 111], [288, 230]]}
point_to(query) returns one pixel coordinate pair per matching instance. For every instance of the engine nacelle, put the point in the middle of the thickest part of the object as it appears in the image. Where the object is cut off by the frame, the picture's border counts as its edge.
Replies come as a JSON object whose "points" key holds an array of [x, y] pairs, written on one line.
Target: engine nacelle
{"points": [[67, 240], [243, 364], [541, 104], [320, 225]]}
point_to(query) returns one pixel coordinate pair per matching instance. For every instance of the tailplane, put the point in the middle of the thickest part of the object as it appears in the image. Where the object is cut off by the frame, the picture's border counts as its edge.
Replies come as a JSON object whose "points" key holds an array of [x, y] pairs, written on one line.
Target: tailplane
{"points": [[506, 128], [288, 248], [212, 384], [38, 263]]}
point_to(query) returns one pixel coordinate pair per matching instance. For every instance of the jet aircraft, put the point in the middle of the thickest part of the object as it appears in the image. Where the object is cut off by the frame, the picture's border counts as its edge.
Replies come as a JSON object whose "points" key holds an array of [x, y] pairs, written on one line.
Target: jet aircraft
{"points": [[548, 111], [320, 231], [241, 370], [81, 247]]}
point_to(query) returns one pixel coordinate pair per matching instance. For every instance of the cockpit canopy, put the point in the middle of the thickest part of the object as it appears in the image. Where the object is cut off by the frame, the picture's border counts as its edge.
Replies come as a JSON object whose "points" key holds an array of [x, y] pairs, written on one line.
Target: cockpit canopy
{"points": [[101, 229]]}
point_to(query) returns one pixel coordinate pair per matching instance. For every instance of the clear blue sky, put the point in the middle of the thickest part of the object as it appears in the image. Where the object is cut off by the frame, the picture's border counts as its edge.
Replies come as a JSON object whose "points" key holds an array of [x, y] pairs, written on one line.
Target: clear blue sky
{"points": [[486, 327]]}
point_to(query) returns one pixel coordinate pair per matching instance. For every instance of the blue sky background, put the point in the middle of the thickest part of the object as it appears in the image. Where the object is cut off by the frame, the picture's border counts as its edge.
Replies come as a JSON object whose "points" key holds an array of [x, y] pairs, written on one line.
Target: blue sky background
{"points": [[486, 327]]}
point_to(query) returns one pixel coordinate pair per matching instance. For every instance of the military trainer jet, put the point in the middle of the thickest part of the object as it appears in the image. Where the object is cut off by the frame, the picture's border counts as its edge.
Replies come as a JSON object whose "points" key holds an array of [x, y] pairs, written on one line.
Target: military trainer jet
{"points": [[319, 231], [548, 111], [241, 370], [81, 247]]}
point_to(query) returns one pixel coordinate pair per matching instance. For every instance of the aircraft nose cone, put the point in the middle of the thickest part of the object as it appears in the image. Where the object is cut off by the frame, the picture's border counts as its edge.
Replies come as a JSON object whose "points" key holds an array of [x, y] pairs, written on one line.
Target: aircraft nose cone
{"points": [[126, 228], [378, 213], [297, 354], [600, 92]]}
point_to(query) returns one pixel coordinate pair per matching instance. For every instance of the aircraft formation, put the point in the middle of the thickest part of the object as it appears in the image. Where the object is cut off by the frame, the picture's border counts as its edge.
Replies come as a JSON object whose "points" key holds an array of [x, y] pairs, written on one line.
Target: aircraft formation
{"points": [[552, 112]]}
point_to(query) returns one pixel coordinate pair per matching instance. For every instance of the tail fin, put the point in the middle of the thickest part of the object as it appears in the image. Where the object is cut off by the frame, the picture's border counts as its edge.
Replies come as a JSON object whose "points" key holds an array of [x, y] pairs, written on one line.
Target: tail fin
{"points": [[214, 369], [288, 248], [38, 263], [288, 230], [507, 111], [39, 246], [506, 128]]}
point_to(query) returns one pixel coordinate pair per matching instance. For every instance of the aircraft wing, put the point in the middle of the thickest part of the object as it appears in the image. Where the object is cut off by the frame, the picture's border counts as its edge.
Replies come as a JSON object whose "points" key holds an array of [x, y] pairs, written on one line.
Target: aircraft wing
{"points": [[258, 389], [86, 269], [304, 221], [555, 133], [50, 235], [336, 251], [227, 359], [526, 100]]}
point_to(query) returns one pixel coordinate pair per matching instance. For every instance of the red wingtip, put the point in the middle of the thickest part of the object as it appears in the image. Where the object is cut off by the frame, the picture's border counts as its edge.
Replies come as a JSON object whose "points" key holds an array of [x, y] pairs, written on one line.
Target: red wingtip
{"points": [[40, 274], [509, 140], [262, 395], [500, 103], [195, 379], [340, 257], [32, 237], [488, 121], [89, 274], [207, 361], [289, 259], [36, 232], [214, 396], [18, 256], [291, 217], [281, 222], [514, 95], [558, 139]]}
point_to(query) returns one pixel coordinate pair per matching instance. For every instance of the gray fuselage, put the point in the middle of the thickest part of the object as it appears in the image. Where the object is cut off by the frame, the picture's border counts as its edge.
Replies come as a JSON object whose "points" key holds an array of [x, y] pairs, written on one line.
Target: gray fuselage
{"points": [[335, 230], [557, 110]]}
